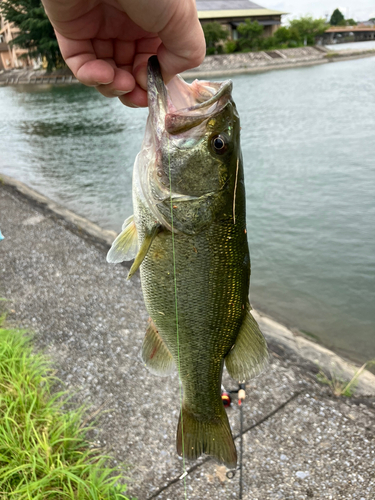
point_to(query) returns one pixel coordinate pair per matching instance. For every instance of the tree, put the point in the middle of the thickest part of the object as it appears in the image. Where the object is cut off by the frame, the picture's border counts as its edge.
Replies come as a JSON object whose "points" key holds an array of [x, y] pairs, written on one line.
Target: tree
{"points": [[35, 31], [350, 22], [213, 34], [308, 28], [337, 18], [250, 35]]}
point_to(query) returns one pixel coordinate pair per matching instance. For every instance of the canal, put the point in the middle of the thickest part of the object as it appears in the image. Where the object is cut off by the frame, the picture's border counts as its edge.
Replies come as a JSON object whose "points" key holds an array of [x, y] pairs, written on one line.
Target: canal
{"points": [[308, 139]]}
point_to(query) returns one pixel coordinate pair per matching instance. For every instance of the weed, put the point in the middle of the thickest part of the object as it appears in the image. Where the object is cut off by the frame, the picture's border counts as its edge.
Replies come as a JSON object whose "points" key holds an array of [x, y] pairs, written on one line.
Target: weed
{"points": [[44, 451], [340, 387]]}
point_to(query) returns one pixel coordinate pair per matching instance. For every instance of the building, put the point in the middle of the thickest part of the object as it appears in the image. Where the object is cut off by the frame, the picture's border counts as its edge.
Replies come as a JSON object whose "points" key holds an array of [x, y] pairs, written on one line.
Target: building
{"points": [[370, 23], [340, 34], [10, 56], [230, 13]]}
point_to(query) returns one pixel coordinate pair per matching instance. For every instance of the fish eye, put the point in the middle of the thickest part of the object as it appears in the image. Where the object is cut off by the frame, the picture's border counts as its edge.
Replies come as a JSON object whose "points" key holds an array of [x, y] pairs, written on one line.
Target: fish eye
{"points": [[219, 144]]}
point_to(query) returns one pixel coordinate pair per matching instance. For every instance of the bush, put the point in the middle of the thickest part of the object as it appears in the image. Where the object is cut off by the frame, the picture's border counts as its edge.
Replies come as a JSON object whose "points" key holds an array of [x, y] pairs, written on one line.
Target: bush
{"points": [[231, 46], [250, 35], [269, 43], [286, 35], [308, 28], [214, 33]]}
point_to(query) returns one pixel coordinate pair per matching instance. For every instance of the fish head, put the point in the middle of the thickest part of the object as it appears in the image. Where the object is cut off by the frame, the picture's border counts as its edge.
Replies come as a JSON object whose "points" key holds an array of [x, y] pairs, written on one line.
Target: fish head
{"points": [[192, 140]]}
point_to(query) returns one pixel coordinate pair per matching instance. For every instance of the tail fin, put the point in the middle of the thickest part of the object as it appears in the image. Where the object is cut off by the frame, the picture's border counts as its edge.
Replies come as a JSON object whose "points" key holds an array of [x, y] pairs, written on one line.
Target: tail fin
{"points": [[213, 437]]}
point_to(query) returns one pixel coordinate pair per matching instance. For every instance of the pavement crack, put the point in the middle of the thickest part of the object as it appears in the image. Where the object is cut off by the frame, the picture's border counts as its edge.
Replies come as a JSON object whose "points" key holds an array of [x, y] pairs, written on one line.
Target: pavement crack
{"points": [[207, 459]]}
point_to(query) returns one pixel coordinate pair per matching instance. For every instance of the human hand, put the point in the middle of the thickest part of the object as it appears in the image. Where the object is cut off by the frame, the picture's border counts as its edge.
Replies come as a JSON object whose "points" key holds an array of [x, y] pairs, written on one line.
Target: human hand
{"points": [[107, 43]]}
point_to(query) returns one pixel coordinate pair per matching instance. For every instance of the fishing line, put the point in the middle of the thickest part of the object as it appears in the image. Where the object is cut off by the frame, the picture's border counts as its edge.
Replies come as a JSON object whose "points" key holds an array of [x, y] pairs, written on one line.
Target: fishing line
{"points": [[241, 397], [185, 473]]}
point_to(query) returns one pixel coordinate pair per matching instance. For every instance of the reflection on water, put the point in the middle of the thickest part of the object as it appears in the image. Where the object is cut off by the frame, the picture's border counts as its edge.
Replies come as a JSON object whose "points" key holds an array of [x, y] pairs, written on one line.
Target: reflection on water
{"points": [[308, 140], [61, 129]]}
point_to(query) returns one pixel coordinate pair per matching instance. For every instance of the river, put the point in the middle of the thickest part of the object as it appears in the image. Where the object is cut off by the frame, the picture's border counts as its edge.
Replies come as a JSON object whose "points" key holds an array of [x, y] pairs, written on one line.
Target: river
{"points": [[308, 139]]}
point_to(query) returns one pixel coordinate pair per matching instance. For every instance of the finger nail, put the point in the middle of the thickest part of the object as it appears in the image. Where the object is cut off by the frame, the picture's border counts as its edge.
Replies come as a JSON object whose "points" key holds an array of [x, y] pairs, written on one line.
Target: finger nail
{"points": [[118, 93]]}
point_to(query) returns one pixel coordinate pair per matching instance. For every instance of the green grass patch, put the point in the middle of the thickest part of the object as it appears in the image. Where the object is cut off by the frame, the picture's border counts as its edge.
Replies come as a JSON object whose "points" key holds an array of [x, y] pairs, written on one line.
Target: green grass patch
{"points": [[340, 387], [44, 452]]}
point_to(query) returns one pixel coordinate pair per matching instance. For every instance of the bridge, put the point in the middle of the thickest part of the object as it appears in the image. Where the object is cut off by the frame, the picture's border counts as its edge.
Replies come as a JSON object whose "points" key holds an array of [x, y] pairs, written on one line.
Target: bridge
{"points": [[341, 34]]}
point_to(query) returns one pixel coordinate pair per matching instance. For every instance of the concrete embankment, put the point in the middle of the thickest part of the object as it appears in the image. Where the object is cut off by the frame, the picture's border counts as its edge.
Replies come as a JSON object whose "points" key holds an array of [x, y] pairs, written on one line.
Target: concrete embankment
{"points": [[214, 66], [299, 441], [255, 62]]}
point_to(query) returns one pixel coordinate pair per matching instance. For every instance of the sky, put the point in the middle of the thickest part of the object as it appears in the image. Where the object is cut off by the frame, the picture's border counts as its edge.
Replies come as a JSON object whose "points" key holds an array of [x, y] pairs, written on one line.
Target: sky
{"points": [[359, 10]]}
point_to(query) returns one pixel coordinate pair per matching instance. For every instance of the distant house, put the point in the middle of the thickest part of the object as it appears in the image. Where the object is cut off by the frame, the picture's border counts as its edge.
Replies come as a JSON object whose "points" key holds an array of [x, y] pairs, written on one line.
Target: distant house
{"points": [[370, 23], [230, 13]]}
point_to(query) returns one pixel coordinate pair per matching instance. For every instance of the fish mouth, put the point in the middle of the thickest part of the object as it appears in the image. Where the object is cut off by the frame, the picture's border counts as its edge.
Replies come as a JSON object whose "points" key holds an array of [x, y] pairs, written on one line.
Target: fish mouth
{"points": [[179, 106]]}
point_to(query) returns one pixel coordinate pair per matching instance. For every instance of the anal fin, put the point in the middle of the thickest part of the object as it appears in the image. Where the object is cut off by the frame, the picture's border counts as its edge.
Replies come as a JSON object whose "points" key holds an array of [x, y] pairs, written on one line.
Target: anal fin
{"points": [[155, 353], [249, 355]]}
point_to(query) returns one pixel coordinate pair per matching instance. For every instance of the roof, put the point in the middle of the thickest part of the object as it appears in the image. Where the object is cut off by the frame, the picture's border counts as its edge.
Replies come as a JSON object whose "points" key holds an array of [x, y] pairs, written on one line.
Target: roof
{"points": [[366, 23], [216, 9], [226, 5], [342, 29], [217, 14]]}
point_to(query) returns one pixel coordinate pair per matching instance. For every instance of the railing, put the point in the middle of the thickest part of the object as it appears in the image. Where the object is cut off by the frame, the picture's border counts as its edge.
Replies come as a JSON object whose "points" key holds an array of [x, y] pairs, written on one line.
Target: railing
{"points": [[39, 80]]}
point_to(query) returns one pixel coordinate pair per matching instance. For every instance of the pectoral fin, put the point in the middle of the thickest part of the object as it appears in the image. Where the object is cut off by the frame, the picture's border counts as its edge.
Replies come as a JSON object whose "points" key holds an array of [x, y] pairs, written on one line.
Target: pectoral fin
{"points": [[155, 353], [149, 238], [249, 355], [125, 246]]}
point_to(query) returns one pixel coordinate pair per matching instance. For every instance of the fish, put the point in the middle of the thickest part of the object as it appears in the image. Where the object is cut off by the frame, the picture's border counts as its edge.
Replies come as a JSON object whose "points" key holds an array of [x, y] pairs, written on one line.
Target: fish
{"points": [[188, 237]]}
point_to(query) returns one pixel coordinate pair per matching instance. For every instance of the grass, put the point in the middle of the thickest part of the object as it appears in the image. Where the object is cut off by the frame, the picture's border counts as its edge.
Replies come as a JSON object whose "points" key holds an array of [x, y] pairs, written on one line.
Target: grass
{"points": [[44, 452], [340, 387]]}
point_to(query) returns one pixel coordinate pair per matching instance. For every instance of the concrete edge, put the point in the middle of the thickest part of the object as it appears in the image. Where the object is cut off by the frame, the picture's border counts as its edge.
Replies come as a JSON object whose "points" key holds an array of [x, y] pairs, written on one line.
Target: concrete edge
{"points": [[76, 223], [326, 58], [314, 356], [305, 352], [253, 69]]}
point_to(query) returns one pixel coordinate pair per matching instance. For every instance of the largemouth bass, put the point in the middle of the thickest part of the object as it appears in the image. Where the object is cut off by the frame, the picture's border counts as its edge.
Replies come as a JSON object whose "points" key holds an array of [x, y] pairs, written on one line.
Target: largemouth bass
{"points": [[188, 236]]}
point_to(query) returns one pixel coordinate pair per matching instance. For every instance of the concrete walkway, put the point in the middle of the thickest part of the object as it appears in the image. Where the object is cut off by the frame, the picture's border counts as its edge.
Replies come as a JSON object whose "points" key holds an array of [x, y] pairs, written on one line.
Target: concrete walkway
{"points": [[300, 442]]}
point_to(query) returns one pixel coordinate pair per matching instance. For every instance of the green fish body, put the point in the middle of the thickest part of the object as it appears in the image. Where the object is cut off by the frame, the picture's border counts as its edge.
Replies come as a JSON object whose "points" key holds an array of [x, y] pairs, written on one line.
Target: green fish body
{"points": [[189, 234]]}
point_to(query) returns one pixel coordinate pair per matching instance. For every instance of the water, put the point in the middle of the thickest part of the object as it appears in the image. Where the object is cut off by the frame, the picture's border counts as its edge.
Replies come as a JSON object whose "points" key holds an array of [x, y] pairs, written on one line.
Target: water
{"points": [[308, 141], [370, 44]]}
